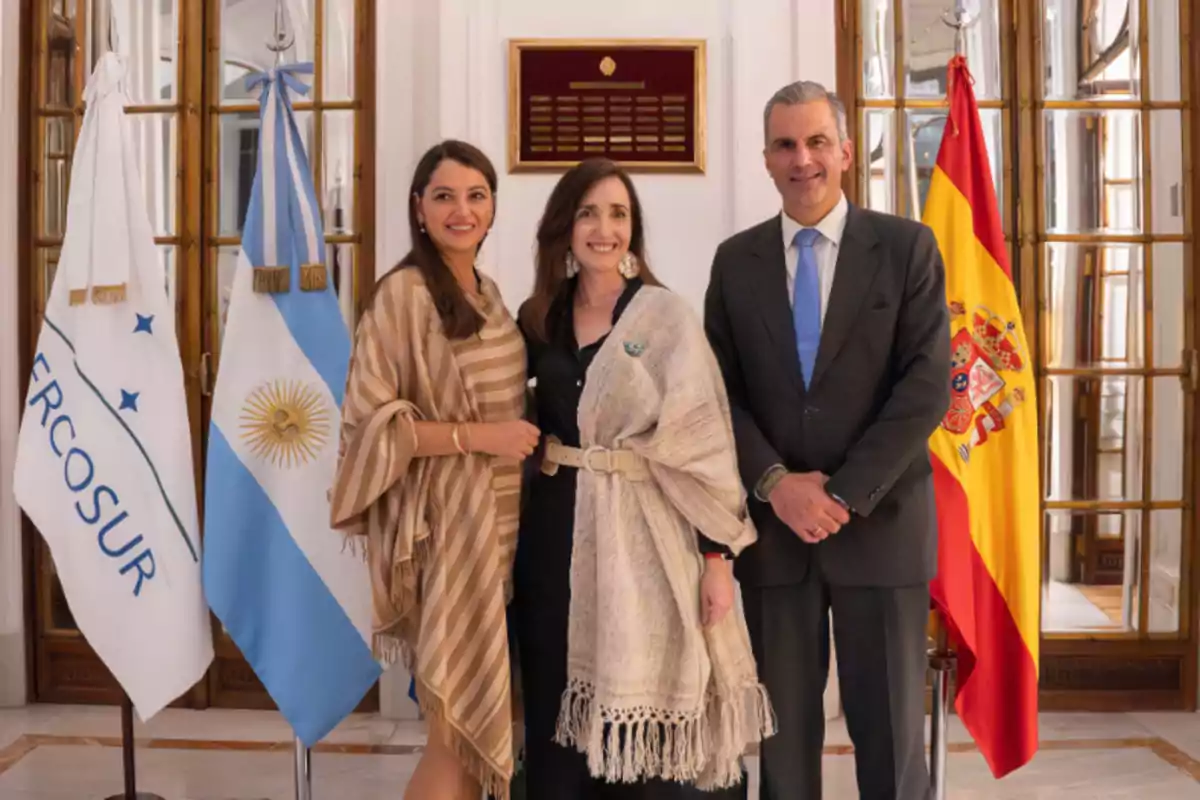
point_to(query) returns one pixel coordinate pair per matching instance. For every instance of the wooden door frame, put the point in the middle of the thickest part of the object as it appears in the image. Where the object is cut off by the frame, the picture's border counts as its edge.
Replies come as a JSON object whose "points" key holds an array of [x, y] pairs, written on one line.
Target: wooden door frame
{"points": [[25, 314]]}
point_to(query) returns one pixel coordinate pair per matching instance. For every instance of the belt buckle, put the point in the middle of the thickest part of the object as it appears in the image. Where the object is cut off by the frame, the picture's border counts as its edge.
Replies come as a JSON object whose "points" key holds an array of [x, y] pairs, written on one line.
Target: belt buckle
{"points": [[587, 459]]}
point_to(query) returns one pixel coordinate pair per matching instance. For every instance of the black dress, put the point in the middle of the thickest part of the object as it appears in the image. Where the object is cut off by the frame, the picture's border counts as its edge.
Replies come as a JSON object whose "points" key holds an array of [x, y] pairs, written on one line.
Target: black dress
{"points": [[542, 575]]}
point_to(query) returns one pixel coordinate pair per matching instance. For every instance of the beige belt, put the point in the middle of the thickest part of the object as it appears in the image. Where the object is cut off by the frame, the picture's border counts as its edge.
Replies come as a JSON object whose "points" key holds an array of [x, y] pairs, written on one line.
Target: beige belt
{"points": [[593, 459]]}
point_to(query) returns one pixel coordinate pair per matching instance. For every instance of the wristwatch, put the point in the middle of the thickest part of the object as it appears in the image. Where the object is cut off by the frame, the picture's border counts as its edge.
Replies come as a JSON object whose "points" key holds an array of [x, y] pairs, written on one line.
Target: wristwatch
{"points": [[769, 480]]}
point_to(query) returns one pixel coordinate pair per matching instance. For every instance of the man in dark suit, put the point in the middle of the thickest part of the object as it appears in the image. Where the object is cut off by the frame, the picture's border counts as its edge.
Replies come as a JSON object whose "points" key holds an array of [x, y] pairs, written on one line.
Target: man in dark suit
{"points": [[830, 325]]}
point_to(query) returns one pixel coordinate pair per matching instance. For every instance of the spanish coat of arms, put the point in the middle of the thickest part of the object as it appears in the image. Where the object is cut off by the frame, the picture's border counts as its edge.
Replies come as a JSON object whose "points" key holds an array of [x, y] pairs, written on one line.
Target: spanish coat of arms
{"points": [[983, 349]]}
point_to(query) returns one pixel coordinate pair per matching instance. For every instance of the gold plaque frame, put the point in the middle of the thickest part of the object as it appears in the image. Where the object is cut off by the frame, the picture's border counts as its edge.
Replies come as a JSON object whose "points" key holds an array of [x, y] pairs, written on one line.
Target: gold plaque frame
{"points": [[518, 127]]}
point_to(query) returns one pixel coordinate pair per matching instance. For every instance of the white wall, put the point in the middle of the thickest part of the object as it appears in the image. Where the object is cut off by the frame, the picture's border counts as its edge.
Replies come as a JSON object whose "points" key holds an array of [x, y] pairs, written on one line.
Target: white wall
{"points": [[12, 618], [443, 73]]}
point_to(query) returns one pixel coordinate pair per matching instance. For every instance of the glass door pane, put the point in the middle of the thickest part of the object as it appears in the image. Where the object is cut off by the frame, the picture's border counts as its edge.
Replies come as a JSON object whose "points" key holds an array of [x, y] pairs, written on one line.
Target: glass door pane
{"points": [[1114, 310]]}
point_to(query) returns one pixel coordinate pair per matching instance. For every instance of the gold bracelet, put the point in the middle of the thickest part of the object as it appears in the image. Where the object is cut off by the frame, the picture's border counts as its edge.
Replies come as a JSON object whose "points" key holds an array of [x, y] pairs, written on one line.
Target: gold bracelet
{"points": [[457, 444], [467, 434]]}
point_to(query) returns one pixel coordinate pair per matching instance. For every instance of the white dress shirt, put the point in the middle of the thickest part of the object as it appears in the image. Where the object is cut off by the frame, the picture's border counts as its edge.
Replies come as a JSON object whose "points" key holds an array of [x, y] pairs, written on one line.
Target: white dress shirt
{"points": [[825, 248]]}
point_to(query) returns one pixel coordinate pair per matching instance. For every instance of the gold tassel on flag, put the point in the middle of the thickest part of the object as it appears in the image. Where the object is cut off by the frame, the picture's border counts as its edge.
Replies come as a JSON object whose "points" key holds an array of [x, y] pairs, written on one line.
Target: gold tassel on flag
{"points": [[106, 295], [272, 280], [314, 277]]}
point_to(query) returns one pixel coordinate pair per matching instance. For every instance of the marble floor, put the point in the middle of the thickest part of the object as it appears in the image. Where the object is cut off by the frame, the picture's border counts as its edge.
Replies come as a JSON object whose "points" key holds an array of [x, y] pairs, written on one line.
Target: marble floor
{"points": [[73, 753]]}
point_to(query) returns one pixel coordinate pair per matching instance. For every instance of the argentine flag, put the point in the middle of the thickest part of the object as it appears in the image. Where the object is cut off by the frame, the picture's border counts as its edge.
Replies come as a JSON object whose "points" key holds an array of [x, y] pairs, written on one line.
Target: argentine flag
{"points": [[293, 599], [104, 457]]}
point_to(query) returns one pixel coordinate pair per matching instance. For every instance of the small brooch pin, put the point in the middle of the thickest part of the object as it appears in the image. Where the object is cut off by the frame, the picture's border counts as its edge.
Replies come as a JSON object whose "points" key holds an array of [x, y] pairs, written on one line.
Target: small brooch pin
{"points": [[635, 349]]}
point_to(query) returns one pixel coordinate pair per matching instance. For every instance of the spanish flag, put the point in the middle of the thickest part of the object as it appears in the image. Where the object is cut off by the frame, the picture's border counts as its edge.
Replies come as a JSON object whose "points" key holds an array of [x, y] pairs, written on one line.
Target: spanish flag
{"points": [[985, 453]]}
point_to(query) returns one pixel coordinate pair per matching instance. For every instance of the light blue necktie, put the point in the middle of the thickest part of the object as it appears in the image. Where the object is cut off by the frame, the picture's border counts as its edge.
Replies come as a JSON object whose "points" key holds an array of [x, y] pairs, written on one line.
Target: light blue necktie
{"points": [[806, 302]]}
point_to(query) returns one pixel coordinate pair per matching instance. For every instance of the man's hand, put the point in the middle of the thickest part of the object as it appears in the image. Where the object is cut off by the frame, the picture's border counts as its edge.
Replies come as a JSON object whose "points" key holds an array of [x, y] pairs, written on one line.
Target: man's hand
{"points": [[800, 500]]}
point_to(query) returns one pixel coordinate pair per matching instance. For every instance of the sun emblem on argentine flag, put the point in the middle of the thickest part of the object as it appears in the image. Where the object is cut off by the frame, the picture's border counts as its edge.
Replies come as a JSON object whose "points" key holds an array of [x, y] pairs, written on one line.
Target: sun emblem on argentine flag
{"points": [[285, 422]]}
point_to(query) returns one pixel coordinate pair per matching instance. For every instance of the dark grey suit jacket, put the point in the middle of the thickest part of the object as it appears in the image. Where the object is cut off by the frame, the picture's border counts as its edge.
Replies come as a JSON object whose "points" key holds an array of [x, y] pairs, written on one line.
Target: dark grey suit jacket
{"points": [[879, 389]]}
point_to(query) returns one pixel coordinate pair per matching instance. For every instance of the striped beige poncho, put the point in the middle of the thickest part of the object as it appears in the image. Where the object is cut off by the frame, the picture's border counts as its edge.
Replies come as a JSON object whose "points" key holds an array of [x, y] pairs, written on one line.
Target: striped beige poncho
{"points": [[440, 532]]}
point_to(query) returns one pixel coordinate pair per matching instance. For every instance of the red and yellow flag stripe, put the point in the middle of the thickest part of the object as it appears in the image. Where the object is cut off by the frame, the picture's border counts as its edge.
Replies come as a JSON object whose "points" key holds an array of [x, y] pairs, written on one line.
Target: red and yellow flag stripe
{"points": [[985, 453]]}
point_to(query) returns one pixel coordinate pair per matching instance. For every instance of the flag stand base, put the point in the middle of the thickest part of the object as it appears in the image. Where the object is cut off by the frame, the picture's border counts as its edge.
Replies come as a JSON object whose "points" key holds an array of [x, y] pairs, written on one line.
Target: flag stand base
{"points": [[942, 661], [131, 792]]}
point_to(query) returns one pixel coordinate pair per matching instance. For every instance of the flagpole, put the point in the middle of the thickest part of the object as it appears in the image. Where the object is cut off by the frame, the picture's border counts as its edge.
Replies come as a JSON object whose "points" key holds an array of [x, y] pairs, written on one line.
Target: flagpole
{"points": [[303, 771], [942, 661], [131, 792], [281, 40], [128, 764]]}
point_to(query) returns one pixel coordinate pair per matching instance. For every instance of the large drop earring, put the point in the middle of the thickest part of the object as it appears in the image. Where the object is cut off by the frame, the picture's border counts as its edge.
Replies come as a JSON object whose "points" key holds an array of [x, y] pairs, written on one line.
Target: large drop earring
{"points": [[629, 266], [572, 264]]}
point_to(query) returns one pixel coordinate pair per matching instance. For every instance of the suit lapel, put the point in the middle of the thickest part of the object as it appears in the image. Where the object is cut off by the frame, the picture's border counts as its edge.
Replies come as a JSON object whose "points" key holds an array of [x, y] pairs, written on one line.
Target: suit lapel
{"points": [[853, 275], [769, 284]]}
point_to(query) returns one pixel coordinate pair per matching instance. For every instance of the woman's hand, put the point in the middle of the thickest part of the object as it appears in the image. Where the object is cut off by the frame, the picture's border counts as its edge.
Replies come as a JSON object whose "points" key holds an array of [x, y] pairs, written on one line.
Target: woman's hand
{"points": [[516, 439], [716, 590]]}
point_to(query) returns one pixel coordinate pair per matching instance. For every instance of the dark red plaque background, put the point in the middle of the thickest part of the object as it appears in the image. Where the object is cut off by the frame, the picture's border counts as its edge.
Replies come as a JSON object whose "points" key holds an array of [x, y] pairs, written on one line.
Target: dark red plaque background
{"points": [[645, 114]]}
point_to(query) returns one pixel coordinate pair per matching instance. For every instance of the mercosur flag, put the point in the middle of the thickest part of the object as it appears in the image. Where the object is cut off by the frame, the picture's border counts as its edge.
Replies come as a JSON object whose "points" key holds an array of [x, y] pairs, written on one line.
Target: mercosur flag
{"points": [[104, 458]]}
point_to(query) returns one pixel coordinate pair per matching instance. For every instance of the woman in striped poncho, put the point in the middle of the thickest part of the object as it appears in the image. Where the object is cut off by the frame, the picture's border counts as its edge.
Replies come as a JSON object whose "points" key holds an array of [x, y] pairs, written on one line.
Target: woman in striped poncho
{"points": [[428, 481]]}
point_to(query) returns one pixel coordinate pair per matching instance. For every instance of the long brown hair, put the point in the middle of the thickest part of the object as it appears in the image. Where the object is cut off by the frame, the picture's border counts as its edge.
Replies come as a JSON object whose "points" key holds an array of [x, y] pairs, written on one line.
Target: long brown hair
{"points": [[555, 231], [459, 317]]}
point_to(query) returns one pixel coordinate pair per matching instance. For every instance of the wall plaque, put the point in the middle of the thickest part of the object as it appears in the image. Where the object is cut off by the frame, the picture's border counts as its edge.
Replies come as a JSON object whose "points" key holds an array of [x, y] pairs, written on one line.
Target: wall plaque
{"points": [[639, 102]]}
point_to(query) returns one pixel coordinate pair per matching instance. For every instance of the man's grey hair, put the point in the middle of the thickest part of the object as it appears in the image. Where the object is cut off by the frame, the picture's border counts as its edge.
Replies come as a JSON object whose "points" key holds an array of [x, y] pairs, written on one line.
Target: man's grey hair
{"points": [[807, 92]]}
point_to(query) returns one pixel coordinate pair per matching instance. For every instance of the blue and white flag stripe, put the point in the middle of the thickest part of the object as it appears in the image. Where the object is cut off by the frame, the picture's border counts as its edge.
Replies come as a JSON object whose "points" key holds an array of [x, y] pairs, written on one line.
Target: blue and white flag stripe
{"points": [[294, 600], [279, 610], [283, 199]]}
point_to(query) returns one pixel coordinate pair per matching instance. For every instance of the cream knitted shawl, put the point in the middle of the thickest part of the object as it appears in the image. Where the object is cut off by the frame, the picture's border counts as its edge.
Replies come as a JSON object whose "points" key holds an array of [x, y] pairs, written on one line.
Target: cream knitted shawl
{"points": [[651, 692]]}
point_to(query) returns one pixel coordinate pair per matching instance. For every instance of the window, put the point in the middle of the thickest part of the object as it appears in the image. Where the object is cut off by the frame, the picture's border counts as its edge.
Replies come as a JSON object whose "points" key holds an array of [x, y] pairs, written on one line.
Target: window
{"points": [[1089, 128]]}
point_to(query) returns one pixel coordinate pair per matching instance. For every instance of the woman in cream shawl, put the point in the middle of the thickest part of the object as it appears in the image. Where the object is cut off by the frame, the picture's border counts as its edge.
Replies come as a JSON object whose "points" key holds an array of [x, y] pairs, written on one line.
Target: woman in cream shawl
{"points": [[428, 480], [638, 679]]}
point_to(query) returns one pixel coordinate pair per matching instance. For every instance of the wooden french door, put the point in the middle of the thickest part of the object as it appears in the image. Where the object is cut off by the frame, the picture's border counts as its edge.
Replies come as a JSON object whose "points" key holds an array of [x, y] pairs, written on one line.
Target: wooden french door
{"points": [[1089, 112], [196, 128]]}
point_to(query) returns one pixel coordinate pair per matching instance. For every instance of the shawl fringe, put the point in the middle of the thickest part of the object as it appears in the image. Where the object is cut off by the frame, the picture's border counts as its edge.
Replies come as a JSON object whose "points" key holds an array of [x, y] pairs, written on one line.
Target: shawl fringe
{"points": [[356, 543], [389, 643], [630, 745], [737, 719], [495, 783]]}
